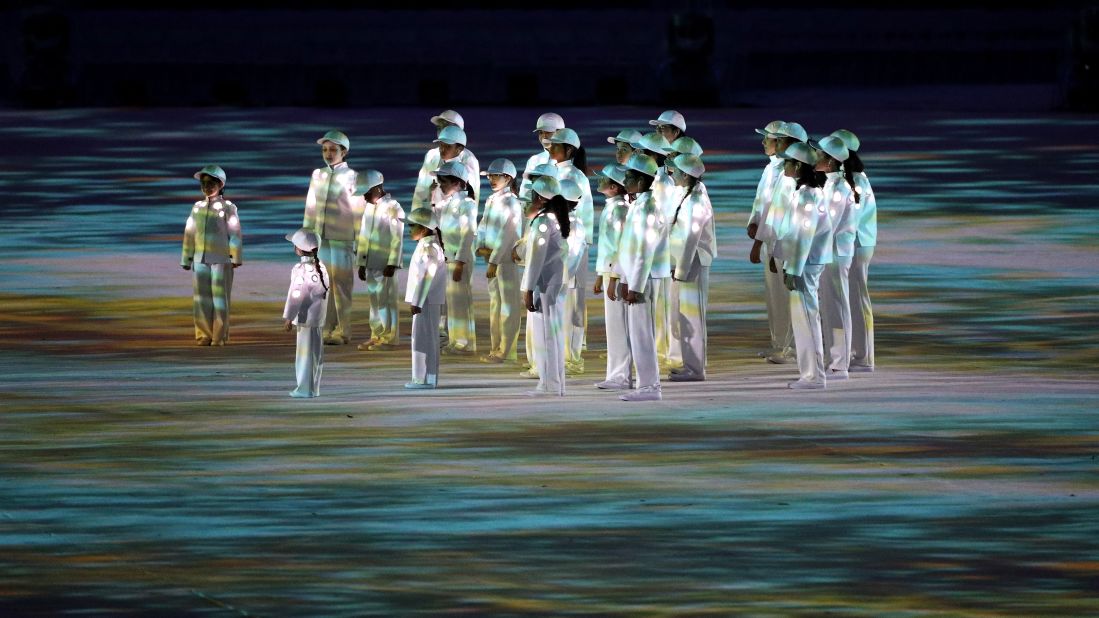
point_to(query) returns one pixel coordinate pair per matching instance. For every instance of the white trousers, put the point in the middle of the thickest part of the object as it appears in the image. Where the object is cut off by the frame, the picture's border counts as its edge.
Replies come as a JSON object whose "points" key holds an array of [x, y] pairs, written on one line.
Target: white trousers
{"points": [[778, 305], [505, 311], [862, 312], [213, 289], [550, 343], [382, 293], [425, 345], [338, 257], [691, 319], [619, 363], [309, 361], [675, 345], [460, 325], [642, 340], [529, 339], [658, 296], [835, 314], [576, 317], [805, 316]]}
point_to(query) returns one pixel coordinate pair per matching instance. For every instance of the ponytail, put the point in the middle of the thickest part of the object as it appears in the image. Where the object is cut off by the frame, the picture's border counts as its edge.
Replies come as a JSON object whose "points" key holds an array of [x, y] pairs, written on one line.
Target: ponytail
{"points": [[689, 193], [849, 176], [853, 165], [516, 183], [580, 160], [560, 209], [437, 233], [320, 273], [469, 190]]}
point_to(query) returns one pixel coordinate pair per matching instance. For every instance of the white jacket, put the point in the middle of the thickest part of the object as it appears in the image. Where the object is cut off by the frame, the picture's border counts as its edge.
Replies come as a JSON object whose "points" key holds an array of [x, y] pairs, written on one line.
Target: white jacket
{"points": [[585, 208], [545, 256], [577, 249], [765, 188], [458, 223], [809, 240], [331, 211], [773, 219], [533, 162], [692, 235], [381, 234], [306, 304], [867, 212], [212, 233], [426, 284], [611, 221], [423, 196], [644, 238], [664, 192], [500, 225], [839, 199]]}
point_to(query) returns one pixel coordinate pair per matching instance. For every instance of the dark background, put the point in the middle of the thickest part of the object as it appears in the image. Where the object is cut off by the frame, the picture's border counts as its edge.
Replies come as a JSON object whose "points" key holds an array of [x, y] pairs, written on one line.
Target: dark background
{"points": [[439, 54]]}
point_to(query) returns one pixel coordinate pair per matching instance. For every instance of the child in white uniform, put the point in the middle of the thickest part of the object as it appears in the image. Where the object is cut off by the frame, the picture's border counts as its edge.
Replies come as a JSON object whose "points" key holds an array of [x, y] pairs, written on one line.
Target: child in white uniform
{"points": [[379, 250], [425, 292], [619, 366], [332, 213], [775, 292], [497, 234], [643, 234], [544, 128], [212, 249], [572, 295], [548, 170], [425, 181], [866, 209], [623, 144], [835, 301], [693, 248], [543, 281], [457, 216], [807, 249], [305, 308]]}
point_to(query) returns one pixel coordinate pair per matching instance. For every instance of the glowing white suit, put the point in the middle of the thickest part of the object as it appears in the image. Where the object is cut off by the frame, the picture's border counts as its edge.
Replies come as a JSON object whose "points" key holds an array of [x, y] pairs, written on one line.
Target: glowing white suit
{"points": [[835, 301], [307, 307], [211, 246], [693, 247], [333, 213], [426, 289], [611, 220], [643, 260], [379, 245], [808, 248], [862, 311], [544, 275], [458, 224], [498, 232]]}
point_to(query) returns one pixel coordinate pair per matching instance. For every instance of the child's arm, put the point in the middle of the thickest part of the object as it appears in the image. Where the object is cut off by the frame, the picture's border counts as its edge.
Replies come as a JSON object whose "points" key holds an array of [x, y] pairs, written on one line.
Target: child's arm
{"points": [[309, 220], [468, 231], [535, 257], [293, 301], [362, 241], [642, 248], [803, 226], [188, 243], [396, 234], [507, 227], [236, 242], [697, 218]]}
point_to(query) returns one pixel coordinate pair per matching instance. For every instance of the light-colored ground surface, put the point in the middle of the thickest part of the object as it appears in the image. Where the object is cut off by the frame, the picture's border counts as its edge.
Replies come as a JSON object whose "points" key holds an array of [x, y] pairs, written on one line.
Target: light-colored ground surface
{"points": [[140, 474]]}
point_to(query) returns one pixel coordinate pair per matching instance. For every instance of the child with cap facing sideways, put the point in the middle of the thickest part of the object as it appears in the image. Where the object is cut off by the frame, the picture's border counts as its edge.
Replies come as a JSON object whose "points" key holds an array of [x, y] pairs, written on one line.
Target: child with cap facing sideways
{"points": [[547, 124], [573, 293], [548, 170], [331, 212], [670, 124], [835, 301], [693, 247], [497, 234], [642, 235], [211, 250], [619, 365], [425, 182], [807, 249], [379, 256], [622, 142], [866, 238], [773, 197], [306, 307], [457, 217], [542, 284], [425, 291]]}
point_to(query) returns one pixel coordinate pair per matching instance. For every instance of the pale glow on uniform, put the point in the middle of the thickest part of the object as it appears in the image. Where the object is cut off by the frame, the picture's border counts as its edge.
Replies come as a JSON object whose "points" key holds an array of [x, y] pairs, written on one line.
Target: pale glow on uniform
{"points": [[221, 214], [833, 212], [696, 227], [195, 209], [558, 228], [836, 196], [431, 268], [309, 268], [299, 280], [464, 220], [315, 279], [217, 206], [618, 226], [324, 175], [541, 241], [808, 208], [651, 219], [543, 227], [806, 224], [297, 294], [651, 237], [234, 220]]}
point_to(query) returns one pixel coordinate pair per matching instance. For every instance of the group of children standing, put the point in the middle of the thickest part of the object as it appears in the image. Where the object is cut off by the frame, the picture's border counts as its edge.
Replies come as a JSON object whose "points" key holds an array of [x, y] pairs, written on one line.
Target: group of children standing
{"points": [[655, 243]]}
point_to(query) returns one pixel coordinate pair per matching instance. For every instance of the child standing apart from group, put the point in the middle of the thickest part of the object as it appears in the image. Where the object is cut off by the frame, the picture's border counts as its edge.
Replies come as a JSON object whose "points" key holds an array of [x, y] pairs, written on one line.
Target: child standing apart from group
{"points": [[306, 307], [211, 250]]}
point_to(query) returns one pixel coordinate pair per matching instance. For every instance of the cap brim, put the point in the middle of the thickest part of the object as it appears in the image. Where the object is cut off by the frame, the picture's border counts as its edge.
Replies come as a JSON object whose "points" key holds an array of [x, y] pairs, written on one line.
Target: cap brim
{"points": [[767, 133], [290, 237]]}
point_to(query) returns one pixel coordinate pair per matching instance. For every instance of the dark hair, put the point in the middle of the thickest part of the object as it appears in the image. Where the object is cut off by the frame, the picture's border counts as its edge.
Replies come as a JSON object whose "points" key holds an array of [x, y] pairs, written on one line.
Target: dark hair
{"points": [[469, 191], [560, 209], [579, 158], [690, 191], [320, 273], [437, 233], [852, 166], [516, 184], [469, 186], [660, 157], [808, 176]]}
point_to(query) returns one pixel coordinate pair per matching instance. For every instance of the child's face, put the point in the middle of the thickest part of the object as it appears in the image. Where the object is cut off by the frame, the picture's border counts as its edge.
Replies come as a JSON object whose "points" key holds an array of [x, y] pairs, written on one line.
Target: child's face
{"points": [[448, 184], [826, 164], [607, 187], [634, 181], [770, 146], [332, 152], [536, 204], [669, 131], [449, 151], [543, 136], [417, 231], [790, 168], [679, 176], [499, 181], [375, 194], [622, 152], [210, 185], [300, 253], [558, 152]]}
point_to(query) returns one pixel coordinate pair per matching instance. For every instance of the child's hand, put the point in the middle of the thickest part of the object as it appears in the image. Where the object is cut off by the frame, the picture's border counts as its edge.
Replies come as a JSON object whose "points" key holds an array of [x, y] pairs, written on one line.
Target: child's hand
{"points": [[515, 257], [459, 267], [752, 229], [774, 267], [390, 270], [415, 310], [528, 300], [186, 267], [484, 252], [288, 325], [790, 281], [236, 265], [631, 297], [597, 289], [612, 288], [753, 257], [362, 273], [491, 272], [623, 290]]}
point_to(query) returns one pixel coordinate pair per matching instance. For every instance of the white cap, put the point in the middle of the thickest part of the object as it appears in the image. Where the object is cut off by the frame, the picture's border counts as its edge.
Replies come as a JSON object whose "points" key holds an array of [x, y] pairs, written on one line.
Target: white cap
{"points": [[799, 151], [690, 164], [549, 122], [424, 217], [625, 135], [544, 169], [794, 130], [653, 142], [211, 170], [565, 136], [616, 173], [451, 135], [849, 139], [671, 117], [449, 117], [453, 168], [368, 180], [500, 166], [304, 239], [685, 145], [642, 163], [773, 129], [833, 147], [547, 187], [336, 137], [570, 190]]}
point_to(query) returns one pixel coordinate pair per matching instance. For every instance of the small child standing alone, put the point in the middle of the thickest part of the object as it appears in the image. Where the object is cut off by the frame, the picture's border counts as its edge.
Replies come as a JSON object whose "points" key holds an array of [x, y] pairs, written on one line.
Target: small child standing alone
{"points": [[306, 308], [212, 249]]}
